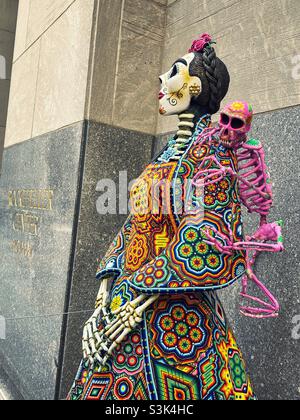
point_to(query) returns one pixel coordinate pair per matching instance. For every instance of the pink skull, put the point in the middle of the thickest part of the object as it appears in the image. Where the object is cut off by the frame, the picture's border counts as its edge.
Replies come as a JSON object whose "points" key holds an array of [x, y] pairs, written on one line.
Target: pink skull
{"points": [[235, 123]]}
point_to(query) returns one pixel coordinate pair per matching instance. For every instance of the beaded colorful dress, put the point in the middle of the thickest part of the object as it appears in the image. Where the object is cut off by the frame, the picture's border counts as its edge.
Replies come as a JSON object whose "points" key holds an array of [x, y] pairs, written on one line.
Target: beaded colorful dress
{"points": [[184, 349]]}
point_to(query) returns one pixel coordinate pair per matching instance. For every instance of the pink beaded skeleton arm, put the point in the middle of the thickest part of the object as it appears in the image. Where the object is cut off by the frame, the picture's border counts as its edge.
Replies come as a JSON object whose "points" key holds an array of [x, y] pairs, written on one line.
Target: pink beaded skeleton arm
{"points": [[256, 195]]}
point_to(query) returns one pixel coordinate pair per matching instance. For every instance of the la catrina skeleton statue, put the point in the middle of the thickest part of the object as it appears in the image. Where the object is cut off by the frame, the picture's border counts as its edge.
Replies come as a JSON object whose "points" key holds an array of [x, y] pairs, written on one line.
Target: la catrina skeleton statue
{"points": [[159, 331]]}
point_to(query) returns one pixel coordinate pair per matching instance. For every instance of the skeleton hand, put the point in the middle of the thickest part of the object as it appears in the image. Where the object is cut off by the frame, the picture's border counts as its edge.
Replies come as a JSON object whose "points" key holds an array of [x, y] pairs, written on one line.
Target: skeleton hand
{"points": [[124, 321], [91, 334], [208, 176], [211, 240], [270, 232]]}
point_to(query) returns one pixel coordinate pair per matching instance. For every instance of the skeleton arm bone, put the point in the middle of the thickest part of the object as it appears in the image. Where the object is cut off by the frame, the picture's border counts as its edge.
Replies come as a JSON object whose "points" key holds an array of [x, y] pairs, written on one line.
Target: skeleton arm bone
{"points": [[262, 246], [267, 232], [123, 322], [215, 175], [267, 309], [91, 335]]}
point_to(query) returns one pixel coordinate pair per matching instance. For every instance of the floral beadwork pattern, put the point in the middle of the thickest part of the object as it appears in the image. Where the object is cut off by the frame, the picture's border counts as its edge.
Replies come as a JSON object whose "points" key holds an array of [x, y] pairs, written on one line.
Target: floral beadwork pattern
{"points": [[120, 295], [197, 254], [234, 379], [137, 252], [195, 260], [128, 357], [180, 332], [217, 194], [123, 388], [153, 275]]}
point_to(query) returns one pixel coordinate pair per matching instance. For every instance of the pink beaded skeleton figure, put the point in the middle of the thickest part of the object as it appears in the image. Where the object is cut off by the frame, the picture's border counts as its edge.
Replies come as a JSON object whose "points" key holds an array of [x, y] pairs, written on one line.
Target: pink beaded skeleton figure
{"points": [[255, 193]]}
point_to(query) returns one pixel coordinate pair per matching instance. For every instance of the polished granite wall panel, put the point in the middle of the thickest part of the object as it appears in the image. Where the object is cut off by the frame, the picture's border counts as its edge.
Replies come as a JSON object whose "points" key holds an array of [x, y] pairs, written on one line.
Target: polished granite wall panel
{"points": [[33, 288], [109, 151], [272, 353], [8, 391]]}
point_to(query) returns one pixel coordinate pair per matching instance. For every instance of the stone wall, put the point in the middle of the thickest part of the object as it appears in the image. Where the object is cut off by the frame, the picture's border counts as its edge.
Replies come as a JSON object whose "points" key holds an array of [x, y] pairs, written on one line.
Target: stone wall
{"points": [[126, 61], [8, 16], [38, 207], [82, 100], [82, 107], [50, 68]]}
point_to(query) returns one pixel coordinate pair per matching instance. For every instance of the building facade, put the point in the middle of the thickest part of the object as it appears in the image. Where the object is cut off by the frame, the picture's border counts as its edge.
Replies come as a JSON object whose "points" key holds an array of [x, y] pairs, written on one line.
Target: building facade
{"points": [[8, 16], [83, 108]]}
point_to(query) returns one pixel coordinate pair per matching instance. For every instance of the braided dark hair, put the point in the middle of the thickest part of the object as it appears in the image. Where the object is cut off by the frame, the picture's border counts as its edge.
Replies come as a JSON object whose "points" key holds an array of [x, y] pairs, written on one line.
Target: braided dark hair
{"points": [[214, 76]]}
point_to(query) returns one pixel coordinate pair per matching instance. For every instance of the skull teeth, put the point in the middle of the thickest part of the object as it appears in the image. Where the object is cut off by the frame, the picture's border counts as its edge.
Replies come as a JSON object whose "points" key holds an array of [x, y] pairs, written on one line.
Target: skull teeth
{"points": [[226, 143]]}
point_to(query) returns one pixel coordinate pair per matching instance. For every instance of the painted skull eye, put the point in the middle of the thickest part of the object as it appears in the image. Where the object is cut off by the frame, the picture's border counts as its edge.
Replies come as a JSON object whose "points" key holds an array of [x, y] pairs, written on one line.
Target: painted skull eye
{"points": [[225, 119], [174, 72], [237, 123]]}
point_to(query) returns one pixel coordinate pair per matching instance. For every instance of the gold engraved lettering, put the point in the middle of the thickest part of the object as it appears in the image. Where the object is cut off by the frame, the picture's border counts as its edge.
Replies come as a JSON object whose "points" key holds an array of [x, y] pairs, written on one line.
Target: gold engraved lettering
{"points": [[26, 202], [50, 200], [31, 199], [26, 223], [22, 248]]}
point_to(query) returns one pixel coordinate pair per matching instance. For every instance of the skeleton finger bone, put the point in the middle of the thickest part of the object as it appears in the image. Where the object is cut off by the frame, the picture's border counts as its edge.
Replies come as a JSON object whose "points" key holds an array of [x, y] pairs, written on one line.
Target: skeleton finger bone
{"points": [[130, 320], [110, 328], [85, 346], [92, 338], [85, 349], [95, 331], [208, 177], [123, 314], [126, 320], [122, 337], [133, 304], [113, 335], [260, 301], [91, 341], [140, 310]]}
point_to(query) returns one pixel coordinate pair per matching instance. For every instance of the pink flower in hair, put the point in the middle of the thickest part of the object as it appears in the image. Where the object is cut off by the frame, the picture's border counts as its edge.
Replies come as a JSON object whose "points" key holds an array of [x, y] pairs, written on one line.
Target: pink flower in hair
{"points": [[199, 44]]}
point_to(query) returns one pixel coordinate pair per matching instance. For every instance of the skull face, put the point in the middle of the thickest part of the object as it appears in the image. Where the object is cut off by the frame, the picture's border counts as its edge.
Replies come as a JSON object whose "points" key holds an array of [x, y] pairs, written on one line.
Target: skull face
{"points": [[178, 87], [235, 123]]}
